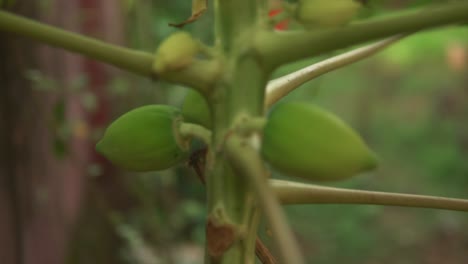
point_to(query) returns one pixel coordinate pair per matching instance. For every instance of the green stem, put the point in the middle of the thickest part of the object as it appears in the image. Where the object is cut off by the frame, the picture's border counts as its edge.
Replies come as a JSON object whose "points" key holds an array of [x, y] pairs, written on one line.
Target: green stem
{"points": [[277, 49], [188, 130], [239, 92], [128, 59], [229, 101], [200, 75], [300, 193], [233, 19], [248, 126], [282, 86], [246, 161]]}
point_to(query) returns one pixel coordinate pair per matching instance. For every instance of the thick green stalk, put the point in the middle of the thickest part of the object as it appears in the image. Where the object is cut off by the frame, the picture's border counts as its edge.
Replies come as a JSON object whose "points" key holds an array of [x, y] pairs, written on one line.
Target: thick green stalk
{"points": [[188, 130], [128, 59], [233, 21], [248, 162], [278, 49], [282, 86], [199, 75], [301, 193], [240, 91]]}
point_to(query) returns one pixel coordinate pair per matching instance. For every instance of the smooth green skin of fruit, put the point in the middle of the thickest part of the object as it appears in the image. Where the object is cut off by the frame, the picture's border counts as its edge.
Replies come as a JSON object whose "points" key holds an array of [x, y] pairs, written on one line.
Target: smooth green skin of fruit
{"points": [[326, 13], [195, 109], [303, 140], [144, 139]]}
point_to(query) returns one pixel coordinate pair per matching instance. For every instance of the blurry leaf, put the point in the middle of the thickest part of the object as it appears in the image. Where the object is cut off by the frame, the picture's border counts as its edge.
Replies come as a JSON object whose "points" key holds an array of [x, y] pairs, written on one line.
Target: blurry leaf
{"points": [[118, 86], [60, 147], [96, 133], [40, 81], [78, 83], [64, 131], [45, 6], [59, 128], [89, 101], [314, 88], [94, 170], [7, 3], [198, 8], [81, 129], [426, 46], [140, 251], [59, 111], [128, 5], [193, 209]]}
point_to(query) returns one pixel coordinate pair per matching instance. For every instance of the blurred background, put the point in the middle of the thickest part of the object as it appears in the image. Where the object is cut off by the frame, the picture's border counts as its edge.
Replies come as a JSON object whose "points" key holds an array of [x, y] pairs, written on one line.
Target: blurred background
{"points": [[60, 202]]}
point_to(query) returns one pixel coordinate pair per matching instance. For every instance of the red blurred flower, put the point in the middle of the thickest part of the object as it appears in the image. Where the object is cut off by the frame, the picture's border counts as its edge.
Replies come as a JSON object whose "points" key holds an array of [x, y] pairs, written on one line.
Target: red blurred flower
{"points": [[282, 25]]}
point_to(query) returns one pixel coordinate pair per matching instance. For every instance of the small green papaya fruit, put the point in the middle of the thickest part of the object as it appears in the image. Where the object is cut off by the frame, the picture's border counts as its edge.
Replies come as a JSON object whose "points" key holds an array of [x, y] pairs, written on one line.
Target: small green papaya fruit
{"points": [[326, 13], [145, 139], [195, 109], [303, 140], [175, 52]]}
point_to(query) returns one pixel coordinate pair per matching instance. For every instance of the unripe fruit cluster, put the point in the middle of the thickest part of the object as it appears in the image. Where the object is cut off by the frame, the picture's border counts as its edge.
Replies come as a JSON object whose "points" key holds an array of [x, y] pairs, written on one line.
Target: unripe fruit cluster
{"points": [[299, 139]]}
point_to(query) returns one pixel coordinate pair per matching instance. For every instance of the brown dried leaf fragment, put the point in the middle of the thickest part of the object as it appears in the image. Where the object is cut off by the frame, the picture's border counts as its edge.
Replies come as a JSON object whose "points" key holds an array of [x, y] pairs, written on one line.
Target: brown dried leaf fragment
{"points": [[220, 238], [198, 9]]}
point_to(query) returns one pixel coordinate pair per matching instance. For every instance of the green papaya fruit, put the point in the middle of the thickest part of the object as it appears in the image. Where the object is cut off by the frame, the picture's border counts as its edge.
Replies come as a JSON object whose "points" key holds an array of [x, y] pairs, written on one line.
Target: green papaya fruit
{"points": [[303, 140], [195, 109], [145, 139], [326, 13]]}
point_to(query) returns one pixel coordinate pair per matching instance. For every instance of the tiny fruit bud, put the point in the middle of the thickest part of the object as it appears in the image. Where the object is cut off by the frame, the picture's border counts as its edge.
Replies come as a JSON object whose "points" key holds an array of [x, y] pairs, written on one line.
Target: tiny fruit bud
{"points": [[326, 13], [303, 140], [144, 139], [176, 52], [195, 109]]}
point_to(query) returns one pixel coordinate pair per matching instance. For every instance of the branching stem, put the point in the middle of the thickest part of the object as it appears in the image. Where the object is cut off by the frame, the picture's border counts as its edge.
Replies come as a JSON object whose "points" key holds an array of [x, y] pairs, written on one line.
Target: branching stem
{"points": [[280, 87], [300, 193], [246, 161], [188, 130], [281, 48], [127, 59], [199, 75]]}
